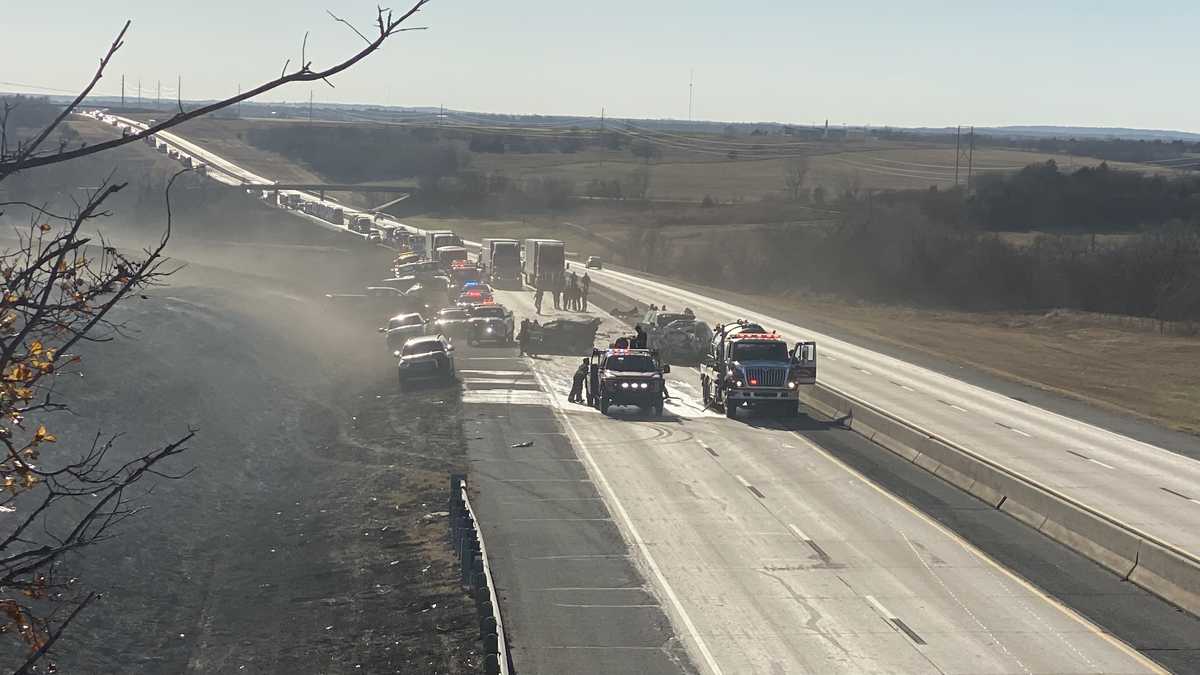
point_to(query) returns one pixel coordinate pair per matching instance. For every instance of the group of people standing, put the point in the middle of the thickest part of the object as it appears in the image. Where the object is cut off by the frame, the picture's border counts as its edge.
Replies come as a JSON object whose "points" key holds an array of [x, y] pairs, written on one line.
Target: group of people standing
{"points": [[573, 297]]}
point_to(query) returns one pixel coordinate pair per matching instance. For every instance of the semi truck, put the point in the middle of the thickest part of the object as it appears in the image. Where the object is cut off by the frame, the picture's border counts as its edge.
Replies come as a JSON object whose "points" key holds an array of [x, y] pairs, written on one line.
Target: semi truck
{"points": [[747, 366], [501, 261], [435, 239], [446, 256], [545, 264]]}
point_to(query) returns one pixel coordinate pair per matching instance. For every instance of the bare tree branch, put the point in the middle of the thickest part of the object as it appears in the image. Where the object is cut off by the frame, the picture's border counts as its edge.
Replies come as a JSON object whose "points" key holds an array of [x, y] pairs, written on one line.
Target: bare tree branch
{"points": [[33, 145], [356, 31], [388, 26]]}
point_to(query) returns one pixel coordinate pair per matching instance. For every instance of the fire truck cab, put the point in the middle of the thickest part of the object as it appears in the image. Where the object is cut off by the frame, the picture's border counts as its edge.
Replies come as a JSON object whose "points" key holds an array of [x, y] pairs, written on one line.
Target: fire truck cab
{"points": [[747, 366]]}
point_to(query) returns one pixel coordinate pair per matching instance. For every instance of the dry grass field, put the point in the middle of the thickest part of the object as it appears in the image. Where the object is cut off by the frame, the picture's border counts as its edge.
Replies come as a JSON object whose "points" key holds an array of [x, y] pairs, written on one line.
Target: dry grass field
{"points": [[688, 170]]}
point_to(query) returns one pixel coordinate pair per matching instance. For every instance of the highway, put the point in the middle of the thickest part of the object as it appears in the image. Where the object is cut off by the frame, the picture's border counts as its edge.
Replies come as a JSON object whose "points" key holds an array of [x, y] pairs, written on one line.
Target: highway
{"points": [[1149, 488], [770, 555]]}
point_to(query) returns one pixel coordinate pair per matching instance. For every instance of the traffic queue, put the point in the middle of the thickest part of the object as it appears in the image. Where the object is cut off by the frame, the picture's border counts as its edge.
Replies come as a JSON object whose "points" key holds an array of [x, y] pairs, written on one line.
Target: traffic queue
{"points": [[741, 364]]}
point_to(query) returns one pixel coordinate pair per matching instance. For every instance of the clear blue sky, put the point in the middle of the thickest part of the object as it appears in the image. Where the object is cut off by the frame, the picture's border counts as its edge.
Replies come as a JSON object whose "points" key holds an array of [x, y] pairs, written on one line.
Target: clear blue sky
{"points": [[910, 63]]}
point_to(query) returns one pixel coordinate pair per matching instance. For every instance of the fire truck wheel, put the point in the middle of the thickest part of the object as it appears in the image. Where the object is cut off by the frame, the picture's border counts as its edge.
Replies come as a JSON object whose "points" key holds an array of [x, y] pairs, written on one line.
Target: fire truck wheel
{"points": [[730, 409], [604, 406], [705, 395]]}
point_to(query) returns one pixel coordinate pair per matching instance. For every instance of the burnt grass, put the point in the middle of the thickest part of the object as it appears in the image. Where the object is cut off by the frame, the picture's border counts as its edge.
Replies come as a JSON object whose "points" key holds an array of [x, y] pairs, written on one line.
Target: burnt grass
{"points": [[310, 536]]}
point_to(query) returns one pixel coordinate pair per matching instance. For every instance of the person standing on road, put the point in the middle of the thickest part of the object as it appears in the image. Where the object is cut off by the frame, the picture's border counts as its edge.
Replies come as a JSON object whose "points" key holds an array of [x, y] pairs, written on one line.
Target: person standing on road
{"points": [[537, 300], [557, 295], [585, 284], [523, 335], [581, 373], [639, 340]]}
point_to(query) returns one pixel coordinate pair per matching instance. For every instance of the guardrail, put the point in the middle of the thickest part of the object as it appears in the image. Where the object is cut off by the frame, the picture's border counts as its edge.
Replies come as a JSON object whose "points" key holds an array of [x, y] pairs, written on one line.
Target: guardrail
{"points": [[467, 541], [1162, 569]]}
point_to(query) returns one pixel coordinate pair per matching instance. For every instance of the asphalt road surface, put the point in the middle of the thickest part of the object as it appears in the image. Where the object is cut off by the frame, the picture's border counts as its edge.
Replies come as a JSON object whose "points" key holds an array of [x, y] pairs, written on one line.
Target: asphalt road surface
{"points": [[772, 552], [1150, 488]]}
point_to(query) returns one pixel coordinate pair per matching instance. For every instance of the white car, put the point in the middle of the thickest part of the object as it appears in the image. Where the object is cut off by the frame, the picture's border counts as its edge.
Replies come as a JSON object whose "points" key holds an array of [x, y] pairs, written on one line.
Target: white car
{"points": [[401, 328]]}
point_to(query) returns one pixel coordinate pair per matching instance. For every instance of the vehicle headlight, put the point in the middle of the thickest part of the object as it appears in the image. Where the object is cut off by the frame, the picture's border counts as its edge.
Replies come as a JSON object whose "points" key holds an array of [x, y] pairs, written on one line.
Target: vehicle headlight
{"points": [[624, 385], [791, 385], [645, 385], [489, 329], [740, 384], [396, 354]]}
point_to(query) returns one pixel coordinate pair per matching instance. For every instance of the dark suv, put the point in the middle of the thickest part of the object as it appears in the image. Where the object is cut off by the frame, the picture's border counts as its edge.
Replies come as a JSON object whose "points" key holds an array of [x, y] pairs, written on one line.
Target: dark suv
{"points": [[626, 377], [426, 357]]}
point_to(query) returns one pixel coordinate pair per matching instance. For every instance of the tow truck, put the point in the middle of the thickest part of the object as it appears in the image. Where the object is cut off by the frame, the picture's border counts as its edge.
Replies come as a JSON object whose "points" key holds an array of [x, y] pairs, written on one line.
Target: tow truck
{"points": [[747, 366], [626, 377]]}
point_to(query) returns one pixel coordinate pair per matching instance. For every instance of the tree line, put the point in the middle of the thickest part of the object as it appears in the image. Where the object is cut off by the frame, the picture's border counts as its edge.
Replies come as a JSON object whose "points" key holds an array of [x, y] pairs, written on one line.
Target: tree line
{"points": [[894, 252], [1044, 198]]}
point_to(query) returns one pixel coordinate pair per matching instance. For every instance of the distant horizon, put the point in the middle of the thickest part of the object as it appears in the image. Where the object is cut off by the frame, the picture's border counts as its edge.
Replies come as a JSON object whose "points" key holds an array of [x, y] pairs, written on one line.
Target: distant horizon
{"points": [[1181, 134]]}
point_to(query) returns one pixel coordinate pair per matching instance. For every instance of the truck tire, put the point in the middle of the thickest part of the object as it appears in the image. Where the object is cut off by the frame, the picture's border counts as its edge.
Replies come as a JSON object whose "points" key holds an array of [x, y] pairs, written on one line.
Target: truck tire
{"points": [[730, 409], [705, 394], [603, 405]]}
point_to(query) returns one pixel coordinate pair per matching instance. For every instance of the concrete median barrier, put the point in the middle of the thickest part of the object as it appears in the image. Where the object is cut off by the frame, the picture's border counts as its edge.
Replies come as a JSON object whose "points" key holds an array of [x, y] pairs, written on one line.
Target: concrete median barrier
{"points": [[1168, 574], [1160, 568]]}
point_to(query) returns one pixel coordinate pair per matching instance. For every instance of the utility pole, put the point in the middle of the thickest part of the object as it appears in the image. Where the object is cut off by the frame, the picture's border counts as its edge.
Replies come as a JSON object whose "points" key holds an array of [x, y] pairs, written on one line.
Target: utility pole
{"points": [[970, 158], [239, 105], [139, 92], [158, 96], [179, 89], [602, 118], [691, 92], [310, 106], [122, 91], [957, 153]]}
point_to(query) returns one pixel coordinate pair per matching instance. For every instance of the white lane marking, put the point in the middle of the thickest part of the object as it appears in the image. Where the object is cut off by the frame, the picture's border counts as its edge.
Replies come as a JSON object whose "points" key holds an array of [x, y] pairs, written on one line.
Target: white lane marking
{"points": [[864, 371], [803, 537], [978, 622], [960, 409], [883, 611], [638, 541], [1018, 431], [997, 567], [1107, 466], [497, 373], [745, 483], [829, 356]]}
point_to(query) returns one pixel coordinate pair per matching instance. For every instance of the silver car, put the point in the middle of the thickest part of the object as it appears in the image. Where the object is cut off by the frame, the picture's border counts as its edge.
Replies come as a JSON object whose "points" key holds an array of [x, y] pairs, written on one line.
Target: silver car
{"points": [[401, 328]]}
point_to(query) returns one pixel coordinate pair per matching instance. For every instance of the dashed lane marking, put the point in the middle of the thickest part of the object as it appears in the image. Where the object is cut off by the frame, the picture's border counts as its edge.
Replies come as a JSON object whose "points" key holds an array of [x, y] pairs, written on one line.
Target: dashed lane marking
{"points": [[750, 487], [1013, 429], [1089, 459]]}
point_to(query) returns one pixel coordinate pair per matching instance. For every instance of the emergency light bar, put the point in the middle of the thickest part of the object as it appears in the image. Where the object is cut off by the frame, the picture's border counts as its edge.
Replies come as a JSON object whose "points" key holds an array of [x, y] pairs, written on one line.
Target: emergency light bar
{"points": [[757, 336]]}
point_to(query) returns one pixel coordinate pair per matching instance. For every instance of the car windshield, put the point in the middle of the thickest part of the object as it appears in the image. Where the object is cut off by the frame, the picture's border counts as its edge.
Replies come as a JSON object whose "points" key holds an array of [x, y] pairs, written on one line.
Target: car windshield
{"points": [[415, 348], [402, 321], [492, 311], [630, 363], [452, 314], [760, 351]]}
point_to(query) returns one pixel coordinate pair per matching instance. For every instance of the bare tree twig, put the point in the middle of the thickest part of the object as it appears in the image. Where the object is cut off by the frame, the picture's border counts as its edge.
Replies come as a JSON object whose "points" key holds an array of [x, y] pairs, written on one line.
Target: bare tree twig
{"points": [[341, 20], [388, 27]]}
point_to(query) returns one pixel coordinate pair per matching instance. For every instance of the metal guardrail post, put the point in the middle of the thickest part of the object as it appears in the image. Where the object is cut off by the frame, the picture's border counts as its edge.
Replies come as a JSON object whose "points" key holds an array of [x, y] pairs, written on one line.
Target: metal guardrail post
{"points": [[467, 541]]}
